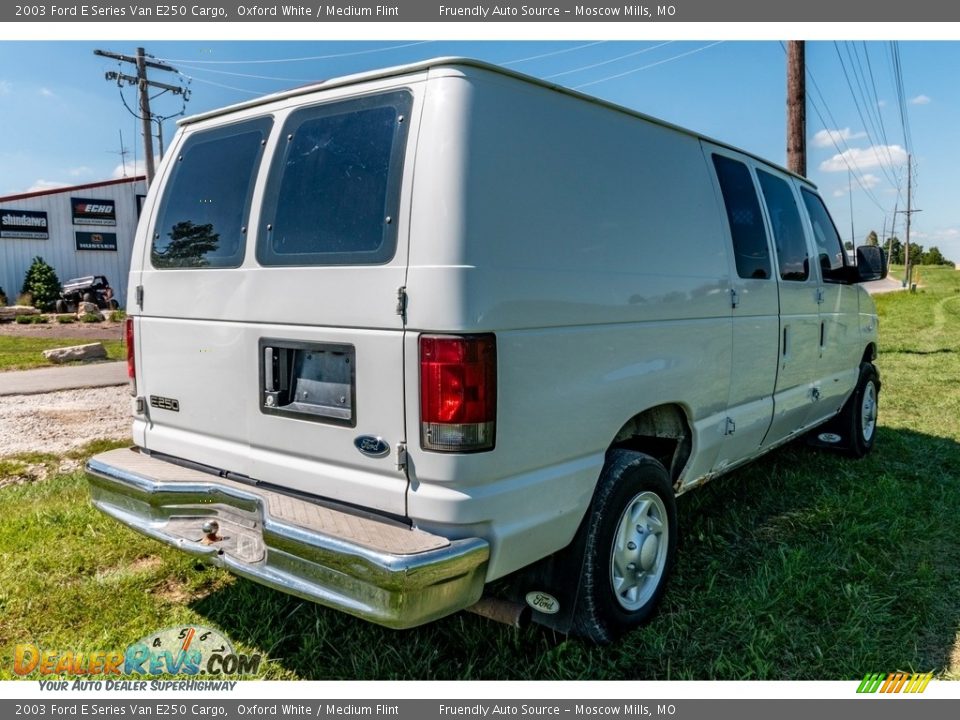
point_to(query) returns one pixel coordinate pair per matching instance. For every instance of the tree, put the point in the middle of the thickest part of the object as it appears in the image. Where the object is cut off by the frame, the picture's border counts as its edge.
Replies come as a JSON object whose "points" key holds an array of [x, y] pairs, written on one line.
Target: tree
{"points": [[916, 254], [933, 256], [41, 283], [896, 251], [872, 238], [188, 246]]}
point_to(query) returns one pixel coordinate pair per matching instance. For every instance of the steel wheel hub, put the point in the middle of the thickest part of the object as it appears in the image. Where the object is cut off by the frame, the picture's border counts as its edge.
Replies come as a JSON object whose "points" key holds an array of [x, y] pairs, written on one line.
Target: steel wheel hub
{"points": [[868, 411], [639, 552]]}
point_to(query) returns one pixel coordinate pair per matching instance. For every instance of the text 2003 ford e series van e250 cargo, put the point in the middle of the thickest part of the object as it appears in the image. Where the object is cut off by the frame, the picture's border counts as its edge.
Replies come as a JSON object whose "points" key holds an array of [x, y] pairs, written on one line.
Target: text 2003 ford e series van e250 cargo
{"points": [[400, 334]]}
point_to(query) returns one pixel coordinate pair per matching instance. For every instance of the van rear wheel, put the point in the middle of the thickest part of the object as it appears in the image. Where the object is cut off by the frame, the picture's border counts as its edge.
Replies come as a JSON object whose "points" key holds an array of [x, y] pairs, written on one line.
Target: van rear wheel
{"points": [[630, 540]]}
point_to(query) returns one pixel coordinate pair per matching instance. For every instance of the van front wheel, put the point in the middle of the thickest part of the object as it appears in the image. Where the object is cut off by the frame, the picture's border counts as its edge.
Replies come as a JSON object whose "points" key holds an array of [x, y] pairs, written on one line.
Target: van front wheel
{"points": [[858, 419], [630, 540]]}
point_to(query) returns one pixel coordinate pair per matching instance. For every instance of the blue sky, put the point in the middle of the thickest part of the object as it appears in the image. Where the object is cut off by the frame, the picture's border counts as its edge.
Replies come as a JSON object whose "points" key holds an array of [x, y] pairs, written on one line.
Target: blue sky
{"points": [[61, 121]]}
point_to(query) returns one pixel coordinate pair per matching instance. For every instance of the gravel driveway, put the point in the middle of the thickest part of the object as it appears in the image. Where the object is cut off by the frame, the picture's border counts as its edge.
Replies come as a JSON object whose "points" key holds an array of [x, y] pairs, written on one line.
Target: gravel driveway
{"points": [[60, 421]]}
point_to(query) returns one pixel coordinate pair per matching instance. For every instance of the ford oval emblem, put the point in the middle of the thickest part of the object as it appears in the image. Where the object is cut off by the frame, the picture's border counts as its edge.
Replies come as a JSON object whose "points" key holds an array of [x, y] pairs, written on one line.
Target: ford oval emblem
{"points": [[543, 602], [372, 446]]}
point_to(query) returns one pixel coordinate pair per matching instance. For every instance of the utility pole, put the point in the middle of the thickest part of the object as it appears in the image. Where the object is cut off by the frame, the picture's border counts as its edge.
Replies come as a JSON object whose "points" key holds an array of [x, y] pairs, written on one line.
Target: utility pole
{"points": [[907, 265], [146, 119], [143, 85], [796, 108]]}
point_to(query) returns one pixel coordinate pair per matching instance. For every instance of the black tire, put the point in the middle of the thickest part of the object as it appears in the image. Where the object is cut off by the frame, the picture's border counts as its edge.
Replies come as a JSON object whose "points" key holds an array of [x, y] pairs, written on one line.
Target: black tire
{"points": [[621, 585], [858, 419], [856, 424], [61, 306], [87, 297]]}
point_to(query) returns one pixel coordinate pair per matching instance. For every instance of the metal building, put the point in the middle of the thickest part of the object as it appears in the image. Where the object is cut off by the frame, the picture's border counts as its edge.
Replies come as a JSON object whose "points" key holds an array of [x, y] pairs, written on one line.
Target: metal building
{"points": [[79, 230]]}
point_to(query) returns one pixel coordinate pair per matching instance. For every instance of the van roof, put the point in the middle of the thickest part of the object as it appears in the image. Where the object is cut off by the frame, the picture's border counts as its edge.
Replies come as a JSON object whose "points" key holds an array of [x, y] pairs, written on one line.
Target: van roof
{"points": [[450, 61]]}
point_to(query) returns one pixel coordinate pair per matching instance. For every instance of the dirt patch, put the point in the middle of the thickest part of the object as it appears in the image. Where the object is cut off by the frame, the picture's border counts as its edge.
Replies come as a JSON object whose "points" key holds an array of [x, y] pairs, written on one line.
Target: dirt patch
{"points": [[176, 592], [77, 330], [61, 421], [141, 566]]}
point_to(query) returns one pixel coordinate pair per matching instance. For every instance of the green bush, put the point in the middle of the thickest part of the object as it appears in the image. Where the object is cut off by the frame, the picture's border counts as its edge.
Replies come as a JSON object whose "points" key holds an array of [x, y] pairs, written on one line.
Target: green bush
{"points": [[90, 318], [42, 283], [118, 316], [65, 319], [24, 319]]}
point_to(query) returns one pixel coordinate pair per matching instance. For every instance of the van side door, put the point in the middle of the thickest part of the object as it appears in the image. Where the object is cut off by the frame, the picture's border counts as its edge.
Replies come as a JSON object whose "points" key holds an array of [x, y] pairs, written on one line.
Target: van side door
{"points": [[840, 347], [754, 302], [799, 292]]}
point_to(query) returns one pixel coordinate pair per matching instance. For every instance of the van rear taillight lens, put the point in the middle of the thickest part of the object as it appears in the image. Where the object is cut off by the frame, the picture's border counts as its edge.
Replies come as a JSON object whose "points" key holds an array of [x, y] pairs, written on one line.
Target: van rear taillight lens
{"points": [[458, 392], [131, 360]]}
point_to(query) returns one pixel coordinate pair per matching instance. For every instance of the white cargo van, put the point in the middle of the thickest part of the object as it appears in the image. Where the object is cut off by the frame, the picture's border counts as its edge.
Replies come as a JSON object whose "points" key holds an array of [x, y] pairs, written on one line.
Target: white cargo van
{"points": [[400, 334]]}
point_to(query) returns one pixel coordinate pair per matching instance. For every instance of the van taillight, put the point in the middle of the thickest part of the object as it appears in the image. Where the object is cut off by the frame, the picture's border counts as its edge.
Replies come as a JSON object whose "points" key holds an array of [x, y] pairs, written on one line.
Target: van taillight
{"points": [[131, 360], [458, 392]]}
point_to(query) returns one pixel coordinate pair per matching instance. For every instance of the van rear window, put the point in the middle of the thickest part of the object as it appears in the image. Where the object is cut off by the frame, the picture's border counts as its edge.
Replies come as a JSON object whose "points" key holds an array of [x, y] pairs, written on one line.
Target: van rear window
{"points": [[203, 215], [749, 237], [334, 188]]}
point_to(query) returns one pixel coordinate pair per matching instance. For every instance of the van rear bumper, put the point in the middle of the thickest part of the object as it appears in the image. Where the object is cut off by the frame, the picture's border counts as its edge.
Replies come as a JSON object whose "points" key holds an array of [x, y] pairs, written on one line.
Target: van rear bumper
{"points": [[375, 569]]}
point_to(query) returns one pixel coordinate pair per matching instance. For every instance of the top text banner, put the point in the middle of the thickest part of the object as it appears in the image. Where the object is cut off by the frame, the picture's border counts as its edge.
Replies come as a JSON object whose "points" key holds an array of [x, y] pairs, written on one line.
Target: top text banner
{"points": [[737, 11]]}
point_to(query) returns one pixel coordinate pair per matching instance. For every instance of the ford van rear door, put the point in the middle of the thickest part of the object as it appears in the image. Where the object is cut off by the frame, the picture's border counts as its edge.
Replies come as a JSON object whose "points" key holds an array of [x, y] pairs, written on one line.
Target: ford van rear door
{"points": [[270, 335]]}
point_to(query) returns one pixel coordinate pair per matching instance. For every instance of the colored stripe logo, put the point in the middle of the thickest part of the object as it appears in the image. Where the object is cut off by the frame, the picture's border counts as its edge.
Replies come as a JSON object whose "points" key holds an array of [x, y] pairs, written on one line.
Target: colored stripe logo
{"points": [[895, 683]]}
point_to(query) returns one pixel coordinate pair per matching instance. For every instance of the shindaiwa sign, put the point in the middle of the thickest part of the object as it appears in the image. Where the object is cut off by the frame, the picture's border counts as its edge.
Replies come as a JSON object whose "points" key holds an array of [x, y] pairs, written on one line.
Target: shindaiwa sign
{"points": [[29, 224]]}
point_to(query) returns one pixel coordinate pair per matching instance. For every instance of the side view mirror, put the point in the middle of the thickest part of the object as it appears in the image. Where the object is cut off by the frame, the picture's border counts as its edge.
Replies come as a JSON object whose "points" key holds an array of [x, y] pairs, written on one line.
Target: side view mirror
{"points": [[871, 263]]}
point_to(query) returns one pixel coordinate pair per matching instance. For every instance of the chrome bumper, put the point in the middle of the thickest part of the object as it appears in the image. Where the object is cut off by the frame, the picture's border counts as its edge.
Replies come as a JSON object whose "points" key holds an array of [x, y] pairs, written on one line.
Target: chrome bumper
{"points": [[374, 569]]}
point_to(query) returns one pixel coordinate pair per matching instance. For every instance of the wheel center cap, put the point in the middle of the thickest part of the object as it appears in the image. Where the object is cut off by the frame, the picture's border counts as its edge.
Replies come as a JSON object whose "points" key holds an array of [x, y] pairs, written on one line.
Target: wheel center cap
{"points": [[648, 552]]}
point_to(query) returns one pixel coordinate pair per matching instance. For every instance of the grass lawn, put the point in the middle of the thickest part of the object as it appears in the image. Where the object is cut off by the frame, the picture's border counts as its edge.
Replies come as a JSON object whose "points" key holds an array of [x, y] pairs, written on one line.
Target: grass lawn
{"points": [[23, 353], [803, 565]]}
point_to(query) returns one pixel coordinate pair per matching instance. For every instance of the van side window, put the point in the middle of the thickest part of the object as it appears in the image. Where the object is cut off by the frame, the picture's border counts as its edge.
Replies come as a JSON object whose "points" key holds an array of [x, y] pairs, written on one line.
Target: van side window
{"points": [[750, 247], [830, 252], [334, 189], [203, 215], [792, 253]]}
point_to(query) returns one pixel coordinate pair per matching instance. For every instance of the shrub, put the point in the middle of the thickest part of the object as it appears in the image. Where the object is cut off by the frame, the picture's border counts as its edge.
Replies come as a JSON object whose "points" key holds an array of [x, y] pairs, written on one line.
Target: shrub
{"points": [[24, 299], [90, 318], [42, 283], [24, 319], [65, 319], [118, 316]]}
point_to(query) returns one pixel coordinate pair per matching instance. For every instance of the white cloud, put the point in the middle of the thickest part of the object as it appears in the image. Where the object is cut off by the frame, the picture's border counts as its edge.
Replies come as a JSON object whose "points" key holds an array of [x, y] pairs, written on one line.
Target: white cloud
{"points": [[832, 138], [875, 156], [45, 185], [47, 92], [867, 180], [80, 171], [130, 171], [6, 87], [921, 100]]}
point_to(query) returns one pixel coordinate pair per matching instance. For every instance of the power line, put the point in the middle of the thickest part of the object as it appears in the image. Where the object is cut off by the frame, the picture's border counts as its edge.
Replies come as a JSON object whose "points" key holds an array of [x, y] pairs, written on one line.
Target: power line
{"points": [[901, 95], [298, 59], [832, 135], [647, 67], [193, 78], [856, 103], [555, 52], [607, 62], [243, 75]]}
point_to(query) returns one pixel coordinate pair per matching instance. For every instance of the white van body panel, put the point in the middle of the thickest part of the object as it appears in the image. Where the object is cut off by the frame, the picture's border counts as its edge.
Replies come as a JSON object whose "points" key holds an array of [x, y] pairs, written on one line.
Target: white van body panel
{"points": [[595, 274]]}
